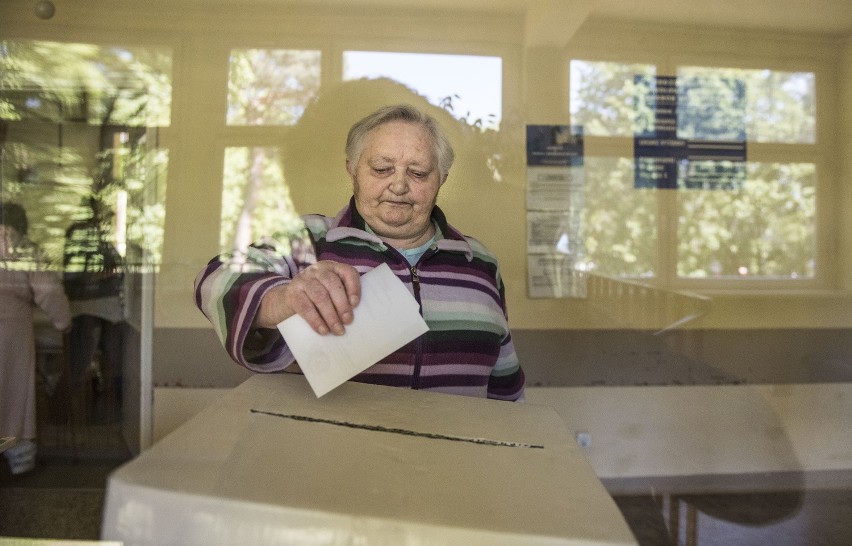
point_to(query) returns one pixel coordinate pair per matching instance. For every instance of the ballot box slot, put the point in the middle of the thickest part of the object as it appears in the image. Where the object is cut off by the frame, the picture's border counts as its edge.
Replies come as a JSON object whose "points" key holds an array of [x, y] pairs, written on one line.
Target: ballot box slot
{"points": [[402, 431]]}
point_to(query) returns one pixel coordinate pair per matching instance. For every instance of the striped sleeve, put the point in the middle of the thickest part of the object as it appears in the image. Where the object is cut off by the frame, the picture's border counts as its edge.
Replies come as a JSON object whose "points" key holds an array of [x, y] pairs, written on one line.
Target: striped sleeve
{"points": [[229, 293], [507, 377]]}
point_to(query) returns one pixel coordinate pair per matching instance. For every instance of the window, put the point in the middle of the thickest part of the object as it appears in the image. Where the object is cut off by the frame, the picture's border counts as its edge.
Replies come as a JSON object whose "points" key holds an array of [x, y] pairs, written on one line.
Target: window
{"points": [[271, 86], [444, 80], [603, 95], [255, 198], [722, 219], [620, 234], [269, 91]]}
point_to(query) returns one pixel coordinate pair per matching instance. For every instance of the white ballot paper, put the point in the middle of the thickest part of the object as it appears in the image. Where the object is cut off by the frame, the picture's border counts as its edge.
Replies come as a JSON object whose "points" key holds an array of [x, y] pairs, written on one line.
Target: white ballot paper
{"points": [[386, 318]]}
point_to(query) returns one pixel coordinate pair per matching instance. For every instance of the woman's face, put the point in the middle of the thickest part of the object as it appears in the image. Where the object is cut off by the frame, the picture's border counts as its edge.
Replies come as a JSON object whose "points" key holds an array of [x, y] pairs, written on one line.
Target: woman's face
{"points": [[396, 183]]}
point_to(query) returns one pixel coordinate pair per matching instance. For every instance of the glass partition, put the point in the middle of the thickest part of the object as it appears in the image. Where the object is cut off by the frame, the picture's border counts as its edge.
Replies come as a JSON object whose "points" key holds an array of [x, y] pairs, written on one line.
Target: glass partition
{"points": [[79, 153]]}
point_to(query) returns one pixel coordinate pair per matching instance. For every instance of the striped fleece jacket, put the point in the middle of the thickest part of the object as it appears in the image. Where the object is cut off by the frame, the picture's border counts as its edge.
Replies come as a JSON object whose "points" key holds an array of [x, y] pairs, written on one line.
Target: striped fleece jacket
{"points": [[468, 349]]}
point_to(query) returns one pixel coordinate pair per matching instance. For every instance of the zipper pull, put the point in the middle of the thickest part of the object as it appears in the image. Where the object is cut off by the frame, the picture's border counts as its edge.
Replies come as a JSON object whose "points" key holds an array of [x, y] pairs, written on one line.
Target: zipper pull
{"points": [[415, 281]]}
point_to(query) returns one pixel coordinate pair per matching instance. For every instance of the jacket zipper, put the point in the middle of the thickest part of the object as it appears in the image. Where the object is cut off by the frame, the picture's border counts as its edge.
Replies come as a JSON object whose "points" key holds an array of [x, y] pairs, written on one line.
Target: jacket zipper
{"points": [[418, 346]]}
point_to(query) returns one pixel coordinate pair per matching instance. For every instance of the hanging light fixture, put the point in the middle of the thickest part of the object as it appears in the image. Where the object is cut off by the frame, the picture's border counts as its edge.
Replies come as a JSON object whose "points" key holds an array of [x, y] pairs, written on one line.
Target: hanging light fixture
{"points": [[45, 9]]}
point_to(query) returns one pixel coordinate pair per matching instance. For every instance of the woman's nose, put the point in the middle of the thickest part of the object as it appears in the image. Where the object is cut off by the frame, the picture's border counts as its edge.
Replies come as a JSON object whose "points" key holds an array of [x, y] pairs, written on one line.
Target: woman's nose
{"points": [[399, 185]]}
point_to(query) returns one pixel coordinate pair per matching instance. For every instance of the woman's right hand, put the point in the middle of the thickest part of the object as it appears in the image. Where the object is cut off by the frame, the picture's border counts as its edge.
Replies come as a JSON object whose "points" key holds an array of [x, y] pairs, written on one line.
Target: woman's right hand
{"points": [[324, 294]]}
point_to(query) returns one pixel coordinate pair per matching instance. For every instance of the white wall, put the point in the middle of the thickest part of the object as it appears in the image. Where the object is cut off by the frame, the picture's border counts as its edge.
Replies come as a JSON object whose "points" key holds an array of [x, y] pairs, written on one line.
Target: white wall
{"points": [[845, 237]]}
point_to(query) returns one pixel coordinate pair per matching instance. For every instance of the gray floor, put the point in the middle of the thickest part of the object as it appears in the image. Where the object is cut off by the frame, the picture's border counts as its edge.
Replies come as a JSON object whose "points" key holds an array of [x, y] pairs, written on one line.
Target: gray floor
{"points": [[61, 499], [784, 518]]}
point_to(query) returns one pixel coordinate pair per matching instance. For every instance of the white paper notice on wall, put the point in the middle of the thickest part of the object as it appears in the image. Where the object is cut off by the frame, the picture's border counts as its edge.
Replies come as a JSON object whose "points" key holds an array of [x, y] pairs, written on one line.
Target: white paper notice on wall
{"points": [[386, 318]]}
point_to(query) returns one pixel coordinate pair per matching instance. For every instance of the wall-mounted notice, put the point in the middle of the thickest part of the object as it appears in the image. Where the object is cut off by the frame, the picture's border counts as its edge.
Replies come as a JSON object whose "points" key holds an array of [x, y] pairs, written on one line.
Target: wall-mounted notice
{"points": [[552, 188], [709, 116], [556, 145], [555, 200], [554, 276]]}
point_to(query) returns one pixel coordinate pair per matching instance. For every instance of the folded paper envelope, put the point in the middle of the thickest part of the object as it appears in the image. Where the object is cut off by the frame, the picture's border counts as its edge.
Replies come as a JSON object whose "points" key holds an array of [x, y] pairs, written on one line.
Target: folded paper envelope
{"points": [[387, 318]]}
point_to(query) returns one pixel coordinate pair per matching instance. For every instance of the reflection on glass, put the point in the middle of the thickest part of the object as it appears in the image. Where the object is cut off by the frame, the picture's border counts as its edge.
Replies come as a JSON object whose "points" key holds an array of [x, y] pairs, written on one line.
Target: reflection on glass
{"points": [[146, 210], [77, 121], [53, 81], [26, 283], [692, 132], [94, 276], [761, 226], [468, 86], [766, 229], [255, 199], [619, 223], [779, 106], [80, 152], [711, 107], [271, 86], [603, 96]]}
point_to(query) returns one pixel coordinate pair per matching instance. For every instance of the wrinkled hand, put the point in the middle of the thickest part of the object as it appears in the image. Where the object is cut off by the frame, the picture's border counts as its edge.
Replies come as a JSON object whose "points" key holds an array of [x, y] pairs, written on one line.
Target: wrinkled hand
{"points": [[323, 294]]}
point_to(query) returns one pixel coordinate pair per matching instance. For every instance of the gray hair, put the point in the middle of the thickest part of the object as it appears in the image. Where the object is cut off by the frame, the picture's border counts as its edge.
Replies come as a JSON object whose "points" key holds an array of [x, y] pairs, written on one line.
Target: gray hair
{"points": [[443, 150]]}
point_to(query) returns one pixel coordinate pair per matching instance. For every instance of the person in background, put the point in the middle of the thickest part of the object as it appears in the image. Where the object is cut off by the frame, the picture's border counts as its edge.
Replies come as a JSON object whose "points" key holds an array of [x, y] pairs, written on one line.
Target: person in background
{"points": [[397, 159], [94, 280], [26, 282]]}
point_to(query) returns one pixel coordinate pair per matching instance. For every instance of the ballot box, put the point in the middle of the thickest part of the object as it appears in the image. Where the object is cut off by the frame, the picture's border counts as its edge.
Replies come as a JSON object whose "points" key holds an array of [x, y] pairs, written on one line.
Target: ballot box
{"points": [[270, 463]]}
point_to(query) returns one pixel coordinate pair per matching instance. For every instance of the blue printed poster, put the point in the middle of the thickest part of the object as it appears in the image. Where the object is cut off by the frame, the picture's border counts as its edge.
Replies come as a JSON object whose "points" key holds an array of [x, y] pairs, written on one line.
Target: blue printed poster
{"points": [[690, 132]]}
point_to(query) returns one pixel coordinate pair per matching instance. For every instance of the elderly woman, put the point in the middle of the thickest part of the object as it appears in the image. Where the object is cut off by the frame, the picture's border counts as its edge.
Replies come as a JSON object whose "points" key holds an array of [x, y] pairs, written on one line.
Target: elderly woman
{"points": [[25, 283], [397, 158]]}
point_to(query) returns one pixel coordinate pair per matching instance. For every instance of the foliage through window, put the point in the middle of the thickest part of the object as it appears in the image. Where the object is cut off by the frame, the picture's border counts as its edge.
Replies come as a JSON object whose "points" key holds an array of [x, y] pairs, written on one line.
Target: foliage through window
{"points": [[271, 86], [762, 228], [255, 199]]}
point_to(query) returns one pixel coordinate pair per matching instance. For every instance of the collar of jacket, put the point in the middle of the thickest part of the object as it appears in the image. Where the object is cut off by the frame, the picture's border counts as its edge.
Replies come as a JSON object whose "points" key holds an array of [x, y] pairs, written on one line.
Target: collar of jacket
{"points": [[350, 223]]}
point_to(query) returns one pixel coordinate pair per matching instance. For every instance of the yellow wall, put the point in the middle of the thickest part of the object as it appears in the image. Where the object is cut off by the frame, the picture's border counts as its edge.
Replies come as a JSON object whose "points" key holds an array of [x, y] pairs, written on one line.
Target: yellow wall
{"points": [[535, 91], [845, 151]]}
